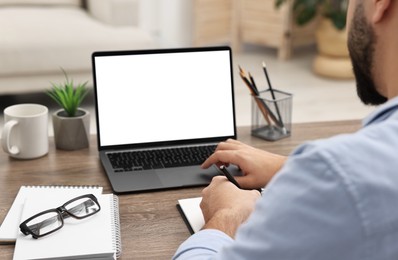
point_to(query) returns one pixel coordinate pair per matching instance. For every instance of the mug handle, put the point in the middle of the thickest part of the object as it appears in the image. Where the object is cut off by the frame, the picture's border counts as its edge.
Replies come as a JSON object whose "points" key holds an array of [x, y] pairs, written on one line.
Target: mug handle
{"points": [[5, 138]]}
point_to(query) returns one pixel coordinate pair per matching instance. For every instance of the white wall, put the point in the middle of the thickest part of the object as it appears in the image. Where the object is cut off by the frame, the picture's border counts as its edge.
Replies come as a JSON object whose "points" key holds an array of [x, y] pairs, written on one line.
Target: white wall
{"points": [[169, 21]]}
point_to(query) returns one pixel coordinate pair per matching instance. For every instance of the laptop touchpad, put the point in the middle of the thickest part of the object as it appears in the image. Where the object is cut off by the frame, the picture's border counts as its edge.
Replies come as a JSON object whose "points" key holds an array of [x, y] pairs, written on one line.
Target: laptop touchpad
{"points": [[185, 176], [140, 181]]}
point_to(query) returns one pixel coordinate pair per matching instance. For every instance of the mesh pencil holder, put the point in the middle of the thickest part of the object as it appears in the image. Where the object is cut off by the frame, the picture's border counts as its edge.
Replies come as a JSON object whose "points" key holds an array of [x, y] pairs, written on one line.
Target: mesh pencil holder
{"points": [[271, 115]]}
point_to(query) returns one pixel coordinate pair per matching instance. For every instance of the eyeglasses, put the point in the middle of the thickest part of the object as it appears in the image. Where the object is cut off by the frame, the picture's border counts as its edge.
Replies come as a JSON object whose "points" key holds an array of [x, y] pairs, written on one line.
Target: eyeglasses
{"points": [[51, 220]]}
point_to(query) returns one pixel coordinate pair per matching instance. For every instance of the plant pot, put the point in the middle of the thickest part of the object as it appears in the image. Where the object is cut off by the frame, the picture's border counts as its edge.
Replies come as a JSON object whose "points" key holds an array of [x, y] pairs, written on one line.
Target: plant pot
{"points": [[332, 60], [331, 41], [71, 133]]}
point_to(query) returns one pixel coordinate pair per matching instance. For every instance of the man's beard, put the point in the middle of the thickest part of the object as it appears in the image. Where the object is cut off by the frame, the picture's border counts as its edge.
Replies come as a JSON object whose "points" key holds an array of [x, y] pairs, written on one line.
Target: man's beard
{"points": [[361, 45]]}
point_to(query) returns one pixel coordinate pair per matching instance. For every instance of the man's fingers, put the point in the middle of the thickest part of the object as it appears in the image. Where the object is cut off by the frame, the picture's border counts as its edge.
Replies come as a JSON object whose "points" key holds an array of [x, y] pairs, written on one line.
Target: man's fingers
{"points": [[221, 157], [247, 182], [230, 144]]}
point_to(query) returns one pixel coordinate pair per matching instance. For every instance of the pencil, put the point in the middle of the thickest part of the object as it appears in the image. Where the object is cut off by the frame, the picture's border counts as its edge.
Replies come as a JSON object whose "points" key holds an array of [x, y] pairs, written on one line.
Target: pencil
{"points": [[254, 84], [261, 105], [265, 110], [273, 97]]}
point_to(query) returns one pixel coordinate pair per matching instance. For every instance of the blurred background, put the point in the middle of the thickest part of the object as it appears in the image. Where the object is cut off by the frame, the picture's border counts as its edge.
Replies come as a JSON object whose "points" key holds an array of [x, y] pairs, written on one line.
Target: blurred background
{"points": [[305, 52]]}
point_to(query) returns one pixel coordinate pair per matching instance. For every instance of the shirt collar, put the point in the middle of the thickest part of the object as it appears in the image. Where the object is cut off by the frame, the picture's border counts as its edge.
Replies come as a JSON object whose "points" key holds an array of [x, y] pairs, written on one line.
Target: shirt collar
{"points": [[382, 112]]}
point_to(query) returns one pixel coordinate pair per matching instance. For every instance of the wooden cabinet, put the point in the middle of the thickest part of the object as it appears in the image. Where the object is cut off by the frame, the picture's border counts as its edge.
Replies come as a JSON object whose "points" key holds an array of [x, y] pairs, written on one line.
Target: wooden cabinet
{"points": [[212, 21], [249, 21]]}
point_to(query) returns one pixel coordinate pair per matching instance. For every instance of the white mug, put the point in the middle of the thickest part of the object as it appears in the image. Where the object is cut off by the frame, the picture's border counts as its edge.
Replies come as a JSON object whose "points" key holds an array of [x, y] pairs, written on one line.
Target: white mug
{"points": [[25, 132]]}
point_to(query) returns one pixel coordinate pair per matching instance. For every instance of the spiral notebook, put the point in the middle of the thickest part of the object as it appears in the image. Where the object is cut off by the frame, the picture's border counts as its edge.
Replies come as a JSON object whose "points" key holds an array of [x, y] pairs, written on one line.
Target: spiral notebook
{"points": [[96, 237], [10, 227]]}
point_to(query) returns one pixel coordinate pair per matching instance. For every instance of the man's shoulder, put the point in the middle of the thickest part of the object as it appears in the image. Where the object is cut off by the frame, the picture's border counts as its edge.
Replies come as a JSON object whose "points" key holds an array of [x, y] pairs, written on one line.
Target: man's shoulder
{"points": [[366, 164], [377, 141]]}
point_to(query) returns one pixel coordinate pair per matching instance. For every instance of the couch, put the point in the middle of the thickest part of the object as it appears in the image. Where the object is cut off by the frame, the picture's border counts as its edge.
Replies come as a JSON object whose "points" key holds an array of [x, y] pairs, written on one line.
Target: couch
{"points": [[40, 38]]}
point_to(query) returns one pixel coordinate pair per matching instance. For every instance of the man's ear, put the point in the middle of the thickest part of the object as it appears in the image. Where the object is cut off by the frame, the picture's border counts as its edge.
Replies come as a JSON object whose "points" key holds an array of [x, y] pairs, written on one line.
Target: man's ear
{"points": [[380, 9]]}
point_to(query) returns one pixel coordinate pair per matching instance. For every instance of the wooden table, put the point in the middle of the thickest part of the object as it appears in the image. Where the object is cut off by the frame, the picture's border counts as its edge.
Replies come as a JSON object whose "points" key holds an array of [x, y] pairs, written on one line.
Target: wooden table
{"points": [[151, 226]]}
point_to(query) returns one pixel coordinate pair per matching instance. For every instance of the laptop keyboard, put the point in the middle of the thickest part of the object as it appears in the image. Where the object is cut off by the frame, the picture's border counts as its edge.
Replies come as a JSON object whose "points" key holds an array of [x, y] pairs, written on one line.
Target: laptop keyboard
{"points": [[162, 158]]}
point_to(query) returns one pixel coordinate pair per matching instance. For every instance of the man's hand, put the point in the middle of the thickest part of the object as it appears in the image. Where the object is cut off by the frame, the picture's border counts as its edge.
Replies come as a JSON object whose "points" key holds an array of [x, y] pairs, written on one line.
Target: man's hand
{"points": [[258, 166], [225, 207]]}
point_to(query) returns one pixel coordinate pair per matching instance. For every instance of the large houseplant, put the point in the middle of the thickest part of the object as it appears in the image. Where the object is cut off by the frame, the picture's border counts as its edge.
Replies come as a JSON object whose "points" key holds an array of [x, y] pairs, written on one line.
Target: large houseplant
{"points": [[307, 10], [71, 123], [333, 59]]}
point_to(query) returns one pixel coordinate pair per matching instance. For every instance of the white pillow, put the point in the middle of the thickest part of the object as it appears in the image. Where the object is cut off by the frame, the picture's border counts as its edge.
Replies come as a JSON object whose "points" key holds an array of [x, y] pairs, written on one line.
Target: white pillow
{"points": [[41, 2]]}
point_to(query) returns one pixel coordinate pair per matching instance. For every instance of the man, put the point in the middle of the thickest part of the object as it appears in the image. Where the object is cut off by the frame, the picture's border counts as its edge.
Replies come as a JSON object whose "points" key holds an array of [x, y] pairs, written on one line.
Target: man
{"points": [[330, 199]]}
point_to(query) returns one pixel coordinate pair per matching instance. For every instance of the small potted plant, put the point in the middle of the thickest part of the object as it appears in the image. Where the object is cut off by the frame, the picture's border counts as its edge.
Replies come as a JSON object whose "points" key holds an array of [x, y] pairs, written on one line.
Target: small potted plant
{"points": [[333, 58], [71, 123]]}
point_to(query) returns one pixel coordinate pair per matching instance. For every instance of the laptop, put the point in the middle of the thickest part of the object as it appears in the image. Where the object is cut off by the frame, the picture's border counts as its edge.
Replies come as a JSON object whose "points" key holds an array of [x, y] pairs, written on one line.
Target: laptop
{"points": [[172, 104]]}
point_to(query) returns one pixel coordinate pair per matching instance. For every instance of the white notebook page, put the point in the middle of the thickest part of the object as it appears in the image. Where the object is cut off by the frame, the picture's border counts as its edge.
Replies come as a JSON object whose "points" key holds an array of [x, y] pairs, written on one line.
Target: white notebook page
{"points": [[93, 236]]}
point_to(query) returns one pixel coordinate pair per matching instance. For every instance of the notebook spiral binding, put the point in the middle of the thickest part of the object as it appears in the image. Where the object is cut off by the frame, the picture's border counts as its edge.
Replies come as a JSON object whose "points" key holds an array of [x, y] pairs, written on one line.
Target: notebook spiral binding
{"points": [[117, 239], [62, 186]]}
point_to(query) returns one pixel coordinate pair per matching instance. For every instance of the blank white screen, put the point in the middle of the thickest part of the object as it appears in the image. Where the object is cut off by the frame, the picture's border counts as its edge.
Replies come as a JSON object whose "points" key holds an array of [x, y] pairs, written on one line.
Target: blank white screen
{"points": [[162, 97]]}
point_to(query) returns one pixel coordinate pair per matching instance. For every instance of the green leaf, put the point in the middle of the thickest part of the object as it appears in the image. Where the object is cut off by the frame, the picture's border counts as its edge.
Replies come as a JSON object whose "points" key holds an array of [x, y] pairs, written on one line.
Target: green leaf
{"points": [[67, 95], [278, 3], [338, 20], [306, 10], [305, 15]]}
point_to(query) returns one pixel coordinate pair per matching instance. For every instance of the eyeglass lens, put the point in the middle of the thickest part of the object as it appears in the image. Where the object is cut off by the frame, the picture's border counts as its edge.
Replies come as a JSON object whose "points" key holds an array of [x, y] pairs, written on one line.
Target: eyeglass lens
{"points": [[52, 220], [82, 207], [45, 223]]}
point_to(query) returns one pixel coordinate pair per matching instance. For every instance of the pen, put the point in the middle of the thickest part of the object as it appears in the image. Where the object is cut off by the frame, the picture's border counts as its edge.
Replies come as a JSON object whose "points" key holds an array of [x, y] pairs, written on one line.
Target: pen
{"points": [[231, 178], [229, 175], [273, 97]]}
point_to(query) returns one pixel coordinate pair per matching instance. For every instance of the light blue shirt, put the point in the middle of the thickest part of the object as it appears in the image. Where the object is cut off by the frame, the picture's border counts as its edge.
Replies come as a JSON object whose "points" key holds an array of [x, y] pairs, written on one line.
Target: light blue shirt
{"points": [[334, 199]]}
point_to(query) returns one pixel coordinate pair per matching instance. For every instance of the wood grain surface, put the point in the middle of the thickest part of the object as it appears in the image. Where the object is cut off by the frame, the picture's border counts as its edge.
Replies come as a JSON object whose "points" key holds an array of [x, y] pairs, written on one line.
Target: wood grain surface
{"points": [[151, 226]]}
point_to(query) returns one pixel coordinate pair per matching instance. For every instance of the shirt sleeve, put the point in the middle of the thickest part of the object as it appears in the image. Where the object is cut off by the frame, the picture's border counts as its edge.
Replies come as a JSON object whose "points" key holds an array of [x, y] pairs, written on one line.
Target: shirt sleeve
{"points": [[203, 244], [307, 212]]}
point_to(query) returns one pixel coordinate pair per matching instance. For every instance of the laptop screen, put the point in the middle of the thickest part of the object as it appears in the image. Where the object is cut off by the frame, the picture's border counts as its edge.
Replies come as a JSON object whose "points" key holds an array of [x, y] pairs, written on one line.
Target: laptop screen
{"points": [[168, 95]]}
